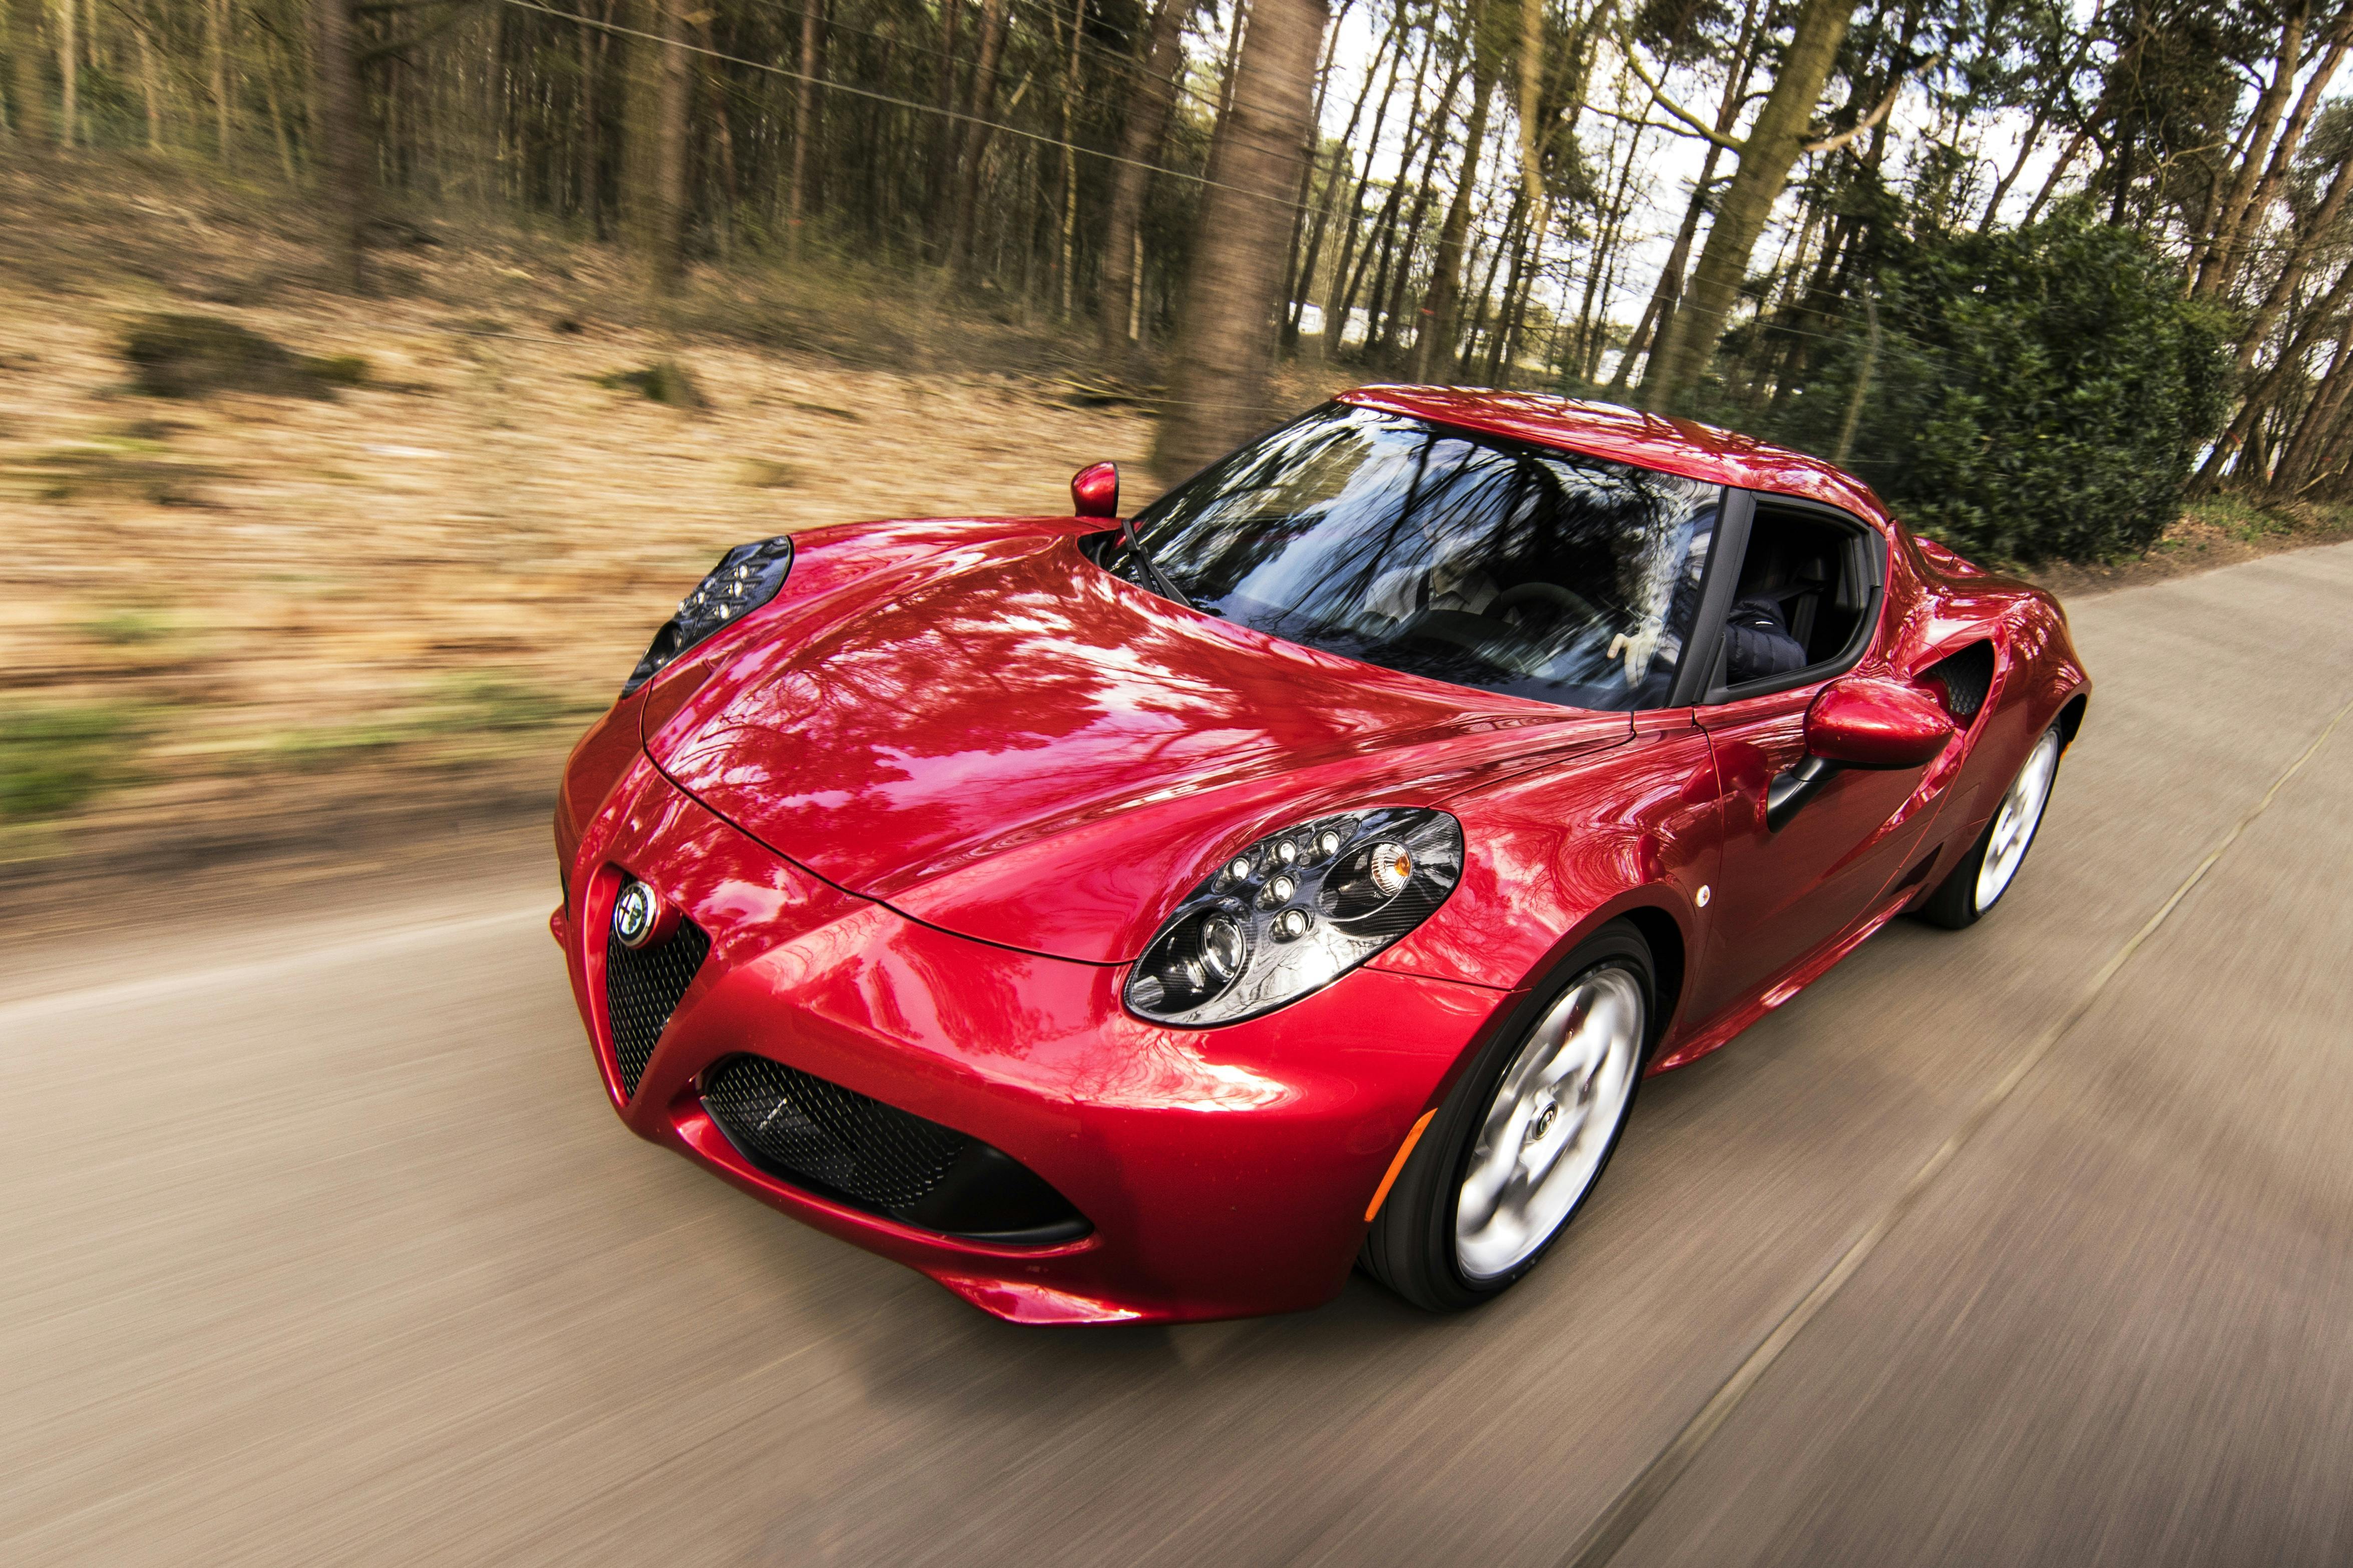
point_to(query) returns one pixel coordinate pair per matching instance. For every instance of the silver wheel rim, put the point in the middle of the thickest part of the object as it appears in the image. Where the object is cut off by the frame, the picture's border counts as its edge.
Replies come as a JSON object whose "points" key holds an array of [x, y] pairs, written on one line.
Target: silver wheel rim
{"points": [[1549, 1125], [2015, 820]]}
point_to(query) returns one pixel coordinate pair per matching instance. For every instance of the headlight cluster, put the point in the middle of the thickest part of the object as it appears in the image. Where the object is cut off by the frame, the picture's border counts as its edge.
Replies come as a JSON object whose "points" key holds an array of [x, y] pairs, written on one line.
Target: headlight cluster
{"points": [[1293, 912], [746, 577]]}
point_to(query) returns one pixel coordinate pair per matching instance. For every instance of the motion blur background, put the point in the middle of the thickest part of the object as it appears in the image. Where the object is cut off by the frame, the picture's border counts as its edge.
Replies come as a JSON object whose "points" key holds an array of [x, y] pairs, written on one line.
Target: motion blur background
{"points": [[375, 374]]}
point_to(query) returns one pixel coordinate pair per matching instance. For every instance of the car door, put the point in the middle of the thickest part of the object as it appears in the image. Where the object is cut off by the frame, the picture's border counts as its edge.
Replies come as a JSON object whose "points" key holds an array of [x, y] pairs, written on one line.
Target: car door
{"points": [[1784, 894]]}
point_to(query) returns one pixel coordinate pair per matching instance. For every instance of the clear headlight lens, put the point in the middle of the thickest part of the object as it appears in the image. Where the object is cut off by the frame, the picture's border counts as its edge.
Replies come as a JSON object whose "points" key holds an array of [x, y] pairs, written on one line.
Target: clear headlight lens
{"points": [[1293, 912], [746, 577]]}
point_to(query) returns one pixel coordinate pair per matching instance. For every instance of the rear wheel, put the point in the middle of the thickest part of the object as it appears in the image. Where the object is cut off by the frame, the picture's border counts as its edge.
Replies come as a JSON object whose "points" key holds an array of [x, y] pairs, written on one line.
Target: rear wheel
{"points": [[1512, 1154], [1985, 872]]}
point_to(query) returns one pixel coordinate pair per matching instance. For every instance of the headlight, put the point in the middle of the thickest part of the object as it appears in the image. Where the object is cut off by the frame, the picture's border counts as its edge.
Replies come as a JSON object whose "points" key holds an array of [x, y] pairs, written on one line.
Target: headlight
{"points": [[746, 577], [1293, 912]]}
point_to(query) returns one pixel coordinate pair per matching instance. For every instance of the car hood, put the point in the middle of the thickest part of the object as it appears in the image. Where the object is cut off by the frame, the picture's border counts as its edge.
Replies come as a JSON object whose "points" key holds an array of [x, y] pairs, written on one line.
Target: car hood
{"points": [[996, 737]]}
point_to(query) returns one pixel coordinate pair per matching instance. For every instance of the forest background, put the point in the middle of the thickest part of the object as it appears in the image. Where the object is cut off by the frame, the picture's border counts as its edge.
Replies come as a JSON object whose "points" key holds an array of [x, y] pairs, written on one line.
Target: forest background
{"points": [[372, 373]]}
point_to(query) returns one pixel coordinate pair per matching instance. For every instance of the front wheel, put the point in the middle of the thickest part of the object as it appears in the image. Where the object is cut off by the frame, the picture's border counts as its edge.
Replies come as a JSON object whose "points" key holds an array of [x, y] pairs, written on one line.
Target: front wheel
{"points": [[1985, 873], [1511, 1155]]}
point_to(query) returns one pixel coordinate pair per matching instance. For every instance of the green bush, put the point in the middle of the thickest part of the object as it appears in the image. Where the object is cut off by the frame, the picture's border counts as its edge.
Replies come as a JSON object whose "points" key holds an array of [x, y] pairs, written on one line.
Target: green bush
{"points": [[2039, 393], [52, 759], [193, 356], [664, 380]]}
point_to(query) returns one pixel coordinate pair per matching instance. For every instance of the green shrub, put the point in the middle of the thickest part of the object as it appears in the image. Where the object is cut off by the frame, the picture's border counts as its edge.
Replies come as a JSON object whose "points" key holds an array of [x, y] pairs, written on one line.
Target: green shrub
{"points": [[52, 759], [664, 380], [193, 356], [2039, 393]]}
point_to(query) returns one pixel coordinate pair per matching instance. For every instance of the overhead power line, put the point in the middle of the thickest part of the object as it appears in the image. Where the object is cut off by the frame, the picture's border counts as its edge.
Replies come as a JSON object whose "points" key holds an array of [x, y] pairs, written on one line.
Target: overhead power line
{"points": [[1286, 203]]}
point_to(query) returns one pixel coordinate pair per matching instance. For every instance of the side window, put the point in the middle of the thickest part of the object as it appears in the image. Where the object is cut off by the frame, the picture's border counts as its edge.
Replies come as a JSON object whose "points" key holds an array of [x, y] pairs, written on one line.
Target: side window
{"points": [[1801, 606]]}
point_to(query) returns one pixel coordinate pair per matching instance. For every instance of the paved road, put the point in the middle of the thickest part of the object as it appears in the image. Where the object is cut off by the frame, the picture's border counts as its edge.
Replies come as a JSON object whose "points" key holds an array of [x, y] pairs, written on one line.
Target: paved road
{"points": [[321, 1247]]}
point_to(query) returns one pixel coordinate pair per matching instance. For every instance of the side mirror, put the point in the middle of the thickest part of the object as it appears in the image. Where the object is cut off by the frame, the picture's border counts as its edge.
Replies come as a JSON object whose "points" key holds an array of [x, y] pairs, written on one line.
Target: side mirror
{"points": [[1859, 722], [1864, 723], [1094, 491]]}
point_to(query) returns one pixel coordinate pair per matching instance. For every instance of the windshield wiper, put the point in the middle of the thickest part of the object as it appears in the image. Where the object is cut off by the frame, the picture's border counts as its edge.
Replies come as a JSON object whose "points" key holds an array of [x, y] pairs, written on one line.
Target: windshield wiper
{"points": [[1143, 557]]}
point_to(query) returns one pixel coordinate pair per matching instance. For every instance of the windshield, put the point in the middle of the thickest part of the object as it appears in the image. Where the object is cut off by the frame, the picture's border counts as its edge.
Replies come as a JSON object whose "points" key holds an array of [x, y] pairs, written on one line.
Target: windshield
{"points": [[1445, 554]]}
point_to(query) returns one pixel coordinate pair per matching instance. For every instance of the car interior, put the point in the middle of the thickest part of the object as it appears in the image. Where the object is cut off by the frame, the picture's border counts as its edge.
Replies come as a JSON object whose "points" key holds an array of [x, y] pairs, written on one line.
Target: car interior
{"points": [[1816, 570]]}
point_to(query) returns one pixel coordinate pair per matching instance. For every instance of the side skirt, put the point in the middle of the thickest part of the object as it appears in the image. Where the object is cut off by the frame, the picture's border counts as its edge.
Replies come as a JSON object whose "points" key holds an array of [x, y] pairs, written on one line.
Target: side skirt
{"points": [[1720, 1031]]}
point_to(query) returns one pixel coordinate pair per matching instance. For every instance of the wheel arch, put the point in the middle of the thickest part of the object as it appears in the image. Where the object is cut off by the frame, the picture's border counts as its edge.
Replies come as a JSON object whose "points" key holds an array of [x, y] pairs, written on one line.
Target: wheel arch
{"points": [[2071, 714], [1664, 936], [1651, 908]]}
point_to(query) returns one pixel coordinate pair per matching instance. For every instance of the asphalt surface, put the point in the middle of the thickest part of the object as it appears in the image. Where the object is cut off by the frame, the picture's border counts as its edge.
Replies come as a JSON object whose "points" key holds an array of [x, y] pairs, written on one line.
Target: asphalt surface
{"points": [[2025, 1245]]}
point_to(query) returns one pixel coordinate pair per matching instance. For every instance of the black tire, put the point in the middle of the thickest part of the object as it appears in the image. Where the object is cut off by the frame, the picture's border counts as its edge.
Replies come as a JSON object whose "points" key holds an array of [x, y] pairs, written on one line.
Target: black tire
{"points": [[1410, 1247], [1953, 905]]}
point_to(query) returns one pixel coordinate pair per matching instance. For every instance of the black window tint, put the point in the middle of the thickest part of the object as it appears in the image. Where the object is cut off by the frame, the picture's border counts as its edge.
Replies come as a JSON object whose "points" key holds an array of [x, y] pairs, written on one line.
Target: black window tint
{"points": [[1410, 546]]}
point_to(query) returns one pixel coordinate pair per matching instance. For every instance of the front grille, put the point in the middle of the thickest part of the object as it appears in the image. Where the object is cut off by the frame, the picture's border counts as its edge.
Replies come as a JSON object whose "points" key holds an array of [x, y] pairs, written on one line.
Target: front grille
{"points": [[818, 1134], [861, 1148], [642, 986]]}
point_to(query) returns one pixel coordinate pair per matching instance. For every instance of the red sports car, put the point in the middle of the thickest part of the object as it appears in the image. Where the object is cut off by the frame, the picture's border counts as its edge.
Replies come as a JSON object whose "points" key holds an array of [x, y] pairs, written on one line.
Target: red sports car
{"points": [[1151, 919]]}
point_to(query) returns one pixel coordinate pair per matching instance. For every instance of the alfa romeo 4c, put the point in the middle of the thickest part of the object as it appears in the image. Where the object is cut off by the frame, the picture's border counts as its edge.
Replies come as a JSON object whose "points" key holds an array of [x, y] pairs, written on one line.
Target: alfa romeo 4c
{"points": [[1152, 919]]}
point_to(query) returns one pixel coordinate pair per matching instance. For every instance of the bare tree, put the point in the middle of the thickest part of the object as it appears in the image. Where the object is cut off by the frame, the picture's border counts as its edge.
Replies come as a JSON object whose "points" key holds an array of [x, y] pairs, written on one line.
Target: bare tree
{"points": [[654, 150], [342, 167], [1766, 154], [1217, 383], [29, 99], [980, 103], [1139, 145], [1433, 343], [805, 122]]}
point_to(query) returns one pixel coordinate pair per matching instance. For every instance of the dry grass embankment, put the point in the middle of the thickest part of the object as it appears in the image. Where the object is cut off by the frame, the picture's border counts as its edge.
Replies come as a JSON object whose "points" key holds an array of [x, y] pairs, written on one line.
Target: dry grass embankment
{"points": [[281, 567], [256, 614]]}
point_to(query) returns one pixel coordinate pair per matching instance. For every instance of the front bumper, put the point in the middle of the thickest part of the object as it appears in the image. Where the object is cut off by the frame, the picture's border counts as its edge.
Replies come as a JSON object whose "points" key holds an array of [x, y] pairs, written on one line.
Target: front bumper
{"points": [[1225, 1171]]}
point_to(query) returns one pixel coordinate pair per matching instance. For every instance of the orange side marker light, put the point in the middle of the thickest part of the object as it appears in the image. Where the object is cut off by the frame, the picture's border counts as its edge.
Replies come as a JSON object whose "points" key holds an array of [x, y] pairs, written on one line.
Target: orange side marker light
{"points": [[1398, 1164]]}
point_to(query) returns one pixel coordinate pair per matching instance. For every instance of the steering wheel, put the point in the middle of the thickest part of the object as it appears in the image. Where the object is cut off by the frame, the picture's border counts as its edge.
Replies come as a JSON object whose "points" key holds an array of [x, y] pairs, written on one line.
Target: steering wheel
{"points": [[1552, 594]]}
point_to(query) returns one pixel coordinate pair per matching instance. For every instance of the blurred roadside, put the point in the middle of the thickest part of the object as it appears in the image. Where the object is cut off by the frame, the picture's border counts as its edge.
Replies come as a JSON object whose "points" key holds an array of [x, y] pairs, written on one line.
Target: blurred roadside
{"points": [[280, 614], [360, 579]]}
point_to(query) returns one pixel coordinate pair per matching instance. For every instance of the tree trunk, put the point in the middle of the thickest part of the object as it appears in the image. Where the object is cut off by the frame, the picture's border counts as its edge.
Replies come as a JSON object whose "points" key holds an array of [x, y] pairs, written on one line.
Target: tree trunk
{"points": [[217, 47], [277, 135], [980, 103], [944, 144], [805, 121], [29, 98], [1669, 289], [655, 150], [2258, 399], [1521, 237], [69, 77], [1397, 245], [2299, 464], [1590, 330], [592, 44], [2227, 266], [1766, 155], [2215, 263], [150, 94], [1347, 272], [1303, 281], [336, 151], [1433, 343], [2317, 225], [1069, 258], [1217, 384]]}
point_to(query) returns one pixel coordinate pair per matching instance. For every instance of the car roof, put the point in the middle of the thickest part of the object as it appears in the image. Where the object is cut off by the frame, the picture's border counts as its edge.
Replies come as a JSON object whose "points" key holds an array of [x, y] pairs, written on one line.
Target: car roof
{"points": [[1629, 435]]}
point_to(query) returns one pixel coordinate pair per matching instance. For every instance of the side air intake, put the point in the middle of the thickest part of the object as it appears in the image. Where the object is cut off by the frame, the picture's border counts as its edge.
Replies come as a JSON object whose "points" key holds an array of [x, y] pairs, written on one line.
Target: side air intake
{"points": [[1963, 678], [851, 1147]]}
